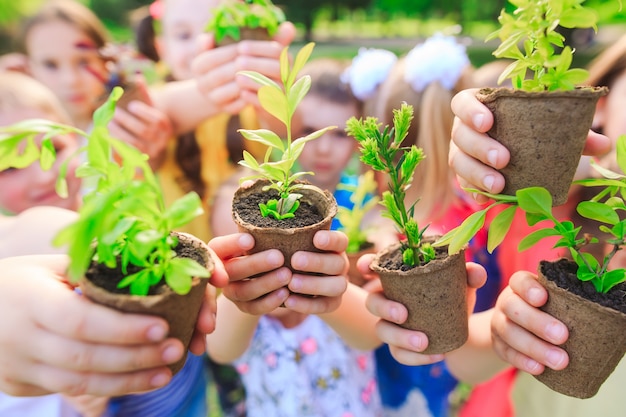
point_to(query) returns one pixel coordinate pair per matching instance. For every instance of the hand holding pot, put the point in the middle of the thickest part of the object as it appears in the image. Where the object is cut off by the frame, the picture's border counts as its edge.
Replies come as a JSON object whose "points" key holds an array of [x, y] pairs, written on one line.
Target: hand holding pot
{"points": [[523, 335], [88, 348], [405, 345], [476, 157], [216, 69], [270, 288]]}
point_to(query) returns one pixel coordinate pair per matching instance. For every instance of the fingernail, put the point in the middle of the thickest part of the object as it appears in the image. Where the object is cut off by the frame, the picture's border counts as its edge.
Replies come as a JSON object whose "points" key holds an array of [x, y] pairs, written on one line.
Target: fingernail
{"points": [[160, 379], [171, 354], [534, 295], [321, 240], [395, 315], [156, 333], [295, 284], [531, 366], [554, 358], [492, 157], [478, 120], [488, 182], [246, 241], [417, 343], [556, 332], [274, 259], [299, 262], [283, 275]]}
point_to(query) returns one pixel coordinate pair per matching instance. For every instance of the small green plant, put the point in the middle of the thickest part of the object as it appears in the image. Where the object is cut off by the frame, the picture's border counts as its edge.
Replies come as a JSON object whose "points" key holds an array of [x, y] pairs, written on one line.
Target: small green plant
{"points": [[534, 24], [281, 101], [605, 208], [383, 151], [364, 199], [123, 219], [230, 16]]}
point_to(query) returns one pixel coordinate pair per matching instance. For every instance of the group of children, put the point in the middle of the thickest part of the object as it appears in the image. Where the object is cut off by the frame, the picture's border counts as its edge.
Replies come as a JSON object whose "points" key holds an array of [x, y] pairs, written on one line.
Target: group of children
{"points": [[296, 356]]}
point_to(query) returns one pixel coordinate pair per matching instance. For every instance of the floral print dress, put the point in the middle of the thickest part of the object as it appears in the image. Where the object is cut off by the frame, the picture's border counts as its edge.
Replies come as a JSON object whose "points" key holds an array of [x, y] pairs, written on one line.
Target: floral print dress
{"points": [[307, 371]]}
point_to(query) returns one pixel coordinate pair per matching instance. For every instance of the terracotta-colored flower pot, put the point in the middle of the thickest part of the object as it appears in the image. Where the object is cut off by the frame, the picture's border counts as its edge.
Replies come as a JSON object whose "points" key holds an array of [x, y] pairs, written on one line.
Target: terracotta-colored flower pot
{"points": [[434, 295], [280, 236], [596, 343], [545, 133], [180, 311]]}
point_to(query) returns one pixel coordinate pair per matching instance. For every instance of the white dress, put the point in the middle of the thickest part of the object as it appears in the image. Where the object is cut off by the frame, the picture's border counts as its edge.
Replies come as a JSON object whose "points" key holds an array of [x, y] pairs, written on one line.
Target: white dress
{"points": [[307, 371], [51, 405]]}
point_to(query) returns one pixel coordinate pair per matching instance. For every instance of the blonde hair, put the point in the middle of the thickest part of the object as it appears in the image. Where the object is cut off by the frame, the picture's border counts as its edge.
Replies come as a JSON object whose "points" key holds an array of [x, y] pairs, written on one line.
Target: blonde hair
{"points": [[68, 11], [430, 130], [19, 91]]}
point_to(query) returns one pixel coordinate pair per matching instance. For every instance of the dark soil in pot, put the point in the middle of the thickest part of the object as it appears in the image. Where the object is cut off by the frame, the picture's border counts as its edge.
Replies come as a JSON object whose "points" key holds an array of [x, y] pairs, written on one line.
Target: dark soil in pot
{"points": [[596, 324], [180, 311], [544, 132], [434, 295]]}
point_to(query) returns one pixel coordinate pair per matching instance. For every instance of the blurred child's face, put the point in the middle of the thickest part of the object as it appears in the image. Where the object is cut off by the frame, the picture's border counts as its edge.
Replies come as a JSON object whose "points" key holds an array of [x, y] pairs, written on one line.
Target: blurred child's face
{"points": [[182, 22], [57, 60], [30, 187], [328, 155]]}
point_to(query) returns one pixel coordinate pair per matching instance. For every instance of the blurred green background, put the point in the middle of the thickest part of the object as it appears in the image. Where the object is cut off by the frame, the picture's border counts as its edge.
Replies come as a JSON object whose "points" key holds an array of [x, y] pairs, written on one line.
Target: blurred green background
{"points": [[340, 27]]}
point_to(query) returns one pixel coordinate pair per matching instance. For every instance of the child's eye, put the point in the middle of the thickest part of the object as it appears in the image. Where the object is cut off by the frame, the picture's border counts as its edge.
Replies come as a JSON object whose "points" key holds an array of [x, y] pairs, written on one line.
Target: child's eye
{"points": [[51, 65], [7, 171]]}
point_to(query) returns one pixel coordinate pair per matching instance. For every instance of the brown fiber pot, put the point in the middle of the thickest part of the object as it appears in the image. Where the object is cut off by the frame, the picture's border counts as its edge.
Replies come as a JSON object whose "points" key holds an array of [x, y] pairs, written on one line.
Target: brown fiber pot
{"points": [[180, 311], [596, 343], [287, 240], [250, 34], [545, 133], [434, 295]]}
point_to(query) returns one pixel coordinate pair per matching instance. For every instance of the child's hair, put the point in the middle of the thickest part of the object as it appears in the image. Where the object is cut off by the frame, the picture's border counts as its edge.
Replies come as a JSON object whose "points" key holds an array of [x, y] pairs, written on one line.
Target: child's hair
{"points": [[144, 22], [327, 81], [427, 78], [609, 65], [19, 91], [71, 12]]}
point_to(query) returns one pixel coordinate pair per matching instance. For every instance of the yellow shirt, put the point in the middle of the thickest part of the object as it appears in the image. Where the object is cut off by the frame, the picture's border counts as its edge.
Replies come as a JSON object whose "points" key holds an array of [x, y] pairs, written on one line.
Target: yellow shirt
{"points": [[211, 136]]}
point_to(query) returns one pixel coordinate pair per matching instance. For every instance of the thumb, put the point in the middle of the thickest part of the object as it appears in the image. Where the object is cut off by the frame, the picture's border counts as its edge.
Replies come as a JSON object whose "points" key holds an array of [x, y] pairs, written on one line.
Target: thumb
{"points": [[286, 33], [205, 42]]}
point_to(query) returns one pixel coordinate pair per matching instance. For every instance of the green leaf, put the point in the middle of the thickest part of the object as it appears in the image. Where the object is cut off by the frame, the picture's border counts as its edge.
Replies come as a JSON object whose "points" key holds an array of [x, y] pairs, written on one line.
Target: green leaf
{"points": [[612, 278], [466, 231], [621, 152], [301, 58], [597, 211], [533, 238], [184, 209], [579, 18], [264, 136], [298, 91], [275, 103], [499, 227], [535, 200], [260, 79]]}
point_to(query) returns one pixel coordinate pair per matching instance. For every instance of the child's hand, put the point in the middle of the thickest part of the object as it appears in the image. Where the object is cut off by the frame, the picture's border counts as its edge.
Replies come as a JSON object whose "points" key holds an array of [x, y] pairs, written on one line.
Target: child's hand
{"points": [[145, 127], [405, 345], [216, 69], [256, 296], [88, 405], [327, 289], [475, 157], [272, 283], [89, 349], [523, 335]]}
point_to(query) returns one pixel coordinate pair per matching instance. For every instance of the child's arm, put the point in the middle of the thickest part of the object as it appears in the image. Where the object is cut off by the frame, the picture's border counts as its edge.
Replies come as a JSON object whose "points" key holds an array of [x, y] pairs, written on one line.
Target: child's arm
{"points": [[353, 322], [233, 332]]}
